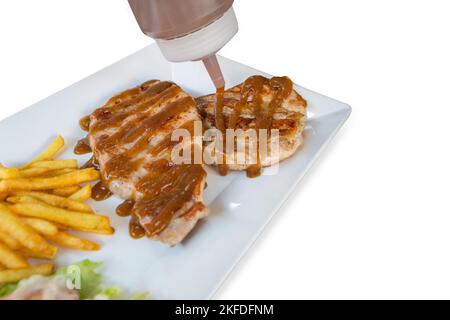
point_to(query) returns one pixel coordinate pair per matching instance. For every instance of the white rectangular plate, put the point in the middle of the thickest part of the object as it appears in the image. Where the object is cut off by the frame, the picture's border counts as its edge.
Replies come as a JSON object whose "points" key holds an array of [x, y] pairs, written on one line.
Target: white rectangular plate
{"points": [[239, 207]]}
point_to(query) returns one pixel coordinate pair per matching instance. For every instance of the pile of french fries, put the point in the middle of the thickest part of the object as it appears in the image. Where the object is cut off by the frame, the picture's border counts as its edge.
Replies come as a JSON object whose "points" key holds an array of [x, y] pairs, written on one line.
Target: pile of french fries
{"points": [[39, 203]]}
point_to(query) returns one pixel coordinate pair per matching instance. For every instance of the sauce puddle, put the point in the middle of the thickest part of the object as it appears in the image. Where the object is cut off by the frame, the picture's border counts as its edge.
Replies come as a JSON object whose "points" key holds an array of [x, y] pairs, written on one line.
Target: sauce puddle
{"points": [[82, 146], [135, 229], [124, 209], [101, 192], [84, 123], [91, 163]]}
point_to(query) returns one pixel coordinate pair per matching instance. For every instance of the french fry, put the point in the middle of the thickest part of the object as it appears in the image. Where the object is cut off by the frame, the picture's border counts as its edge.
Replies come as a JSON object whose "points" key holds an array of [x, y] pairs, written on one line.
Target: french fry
{"points": [[33, 172], [65, 180], [13, 225], [49, 152], [9, 241], [69, 241], [27, 253], [77, 220], [44, 199], [107, 232], [4, 194], [62, 227], [13, 276], [43, 227], [55, 201], [56, 164], [9, 173], [58, 172], [13, 173], [83, 194], [66, 191], [22, 199], [11, 259]]}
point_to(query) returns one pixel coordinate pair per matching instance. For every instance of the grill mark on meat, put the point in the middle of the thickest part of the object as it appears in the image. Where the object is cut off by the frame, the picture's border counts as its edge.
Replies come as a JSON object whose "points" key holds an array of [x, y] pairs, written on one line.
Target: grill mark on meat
{"points": [[129, 94], [144, 127], [113, 117], [146, 124], [167, 142], [284, 125], [143, 122]]}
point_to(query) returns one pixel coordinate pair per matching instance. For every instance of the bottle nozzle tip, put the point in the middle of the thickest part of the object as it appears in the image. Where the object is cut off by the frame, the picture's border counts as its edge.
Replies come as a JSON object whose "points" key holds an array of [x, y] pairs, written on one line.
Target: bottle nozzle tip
{"points": [[214, 71]]}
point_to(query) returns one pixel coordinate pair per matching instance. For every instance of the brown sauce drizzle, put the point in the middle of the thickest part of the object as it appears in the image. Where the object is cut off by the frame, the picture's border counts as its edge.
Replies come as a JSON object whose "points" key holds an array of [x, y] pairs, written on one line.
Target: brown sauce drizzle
{"points": [[100, 191], [220, 124], [283, 87], [251, 96], [135, 229], [165, 195], [91, 163], [141, 129], [84, 123], [254, 171], [82, 146], [124, 209], [167, 142], [252, 87]]}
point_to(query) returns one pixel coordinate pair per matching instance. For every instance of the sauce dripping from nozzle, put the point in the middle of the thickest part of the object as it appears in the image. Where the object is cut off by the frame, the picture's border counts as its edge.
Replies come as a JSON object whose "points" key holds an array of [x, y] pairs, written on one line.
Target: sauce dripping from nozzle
{"points": [[220, 124], [214, 71]]}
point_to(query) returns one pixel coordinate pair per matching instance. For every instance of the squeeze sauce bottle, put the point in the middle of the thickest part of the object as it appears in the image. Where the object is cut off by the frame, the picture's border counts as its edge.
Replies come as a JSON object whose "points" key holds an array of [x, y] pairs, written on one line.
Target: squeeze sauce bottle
{"points": [[189, 30]]}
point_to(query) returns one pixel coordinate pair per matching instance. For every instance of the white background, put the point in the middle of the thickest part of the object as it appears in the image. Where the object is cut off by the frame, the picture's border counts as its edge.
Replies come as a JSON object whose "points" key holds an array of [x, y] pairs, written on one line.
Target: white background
{"points": [[371, 219]]}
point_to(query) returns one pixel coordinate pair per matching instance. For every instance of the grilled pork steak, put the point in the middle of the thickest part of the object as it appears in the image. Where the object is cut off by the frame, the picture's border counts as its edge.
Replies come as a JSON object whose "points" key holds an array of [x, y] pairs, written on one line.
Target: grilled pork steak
{"points": [[259, 103], [130, 137]]}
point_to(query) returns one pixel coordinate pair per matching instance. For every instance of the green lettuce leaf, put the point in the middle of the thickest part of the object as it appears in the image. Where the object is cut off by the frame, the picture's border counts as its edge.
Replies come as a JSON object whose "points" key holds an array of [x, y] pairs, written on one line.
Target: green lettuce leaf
{"points": [[7, 289], [90, 283], [84, 277], [109, 294], [140, 296]]}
